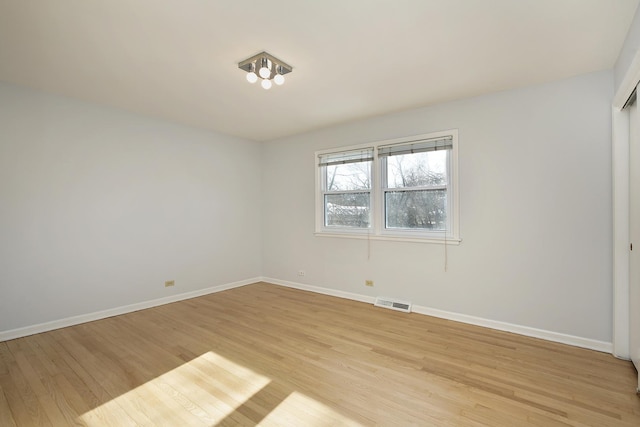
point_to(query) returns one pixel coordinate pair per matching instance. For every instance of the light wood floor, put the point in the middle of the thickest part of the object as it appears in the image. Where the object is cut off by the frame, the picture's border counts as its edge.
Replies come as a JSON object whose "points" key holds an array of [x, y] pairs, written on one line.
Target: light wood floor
{"points": [[269, 355]]}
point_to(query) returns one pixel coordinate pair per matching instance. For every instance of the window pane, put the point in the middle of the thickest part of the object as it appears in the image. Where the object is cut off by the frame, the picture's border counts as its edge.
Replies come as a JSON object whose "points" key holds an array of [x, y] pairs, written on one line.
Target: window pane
{"points": [[352, 176], [347, 210], [419, 209], [416, 170]]}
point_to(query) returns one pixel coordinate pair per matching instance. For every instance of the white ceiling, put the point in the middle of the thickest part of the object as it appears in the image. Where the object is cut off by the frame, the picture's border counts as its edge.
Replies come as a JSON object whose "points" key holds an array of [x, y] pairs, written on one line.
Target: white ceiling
{"points": [[177, 59]]}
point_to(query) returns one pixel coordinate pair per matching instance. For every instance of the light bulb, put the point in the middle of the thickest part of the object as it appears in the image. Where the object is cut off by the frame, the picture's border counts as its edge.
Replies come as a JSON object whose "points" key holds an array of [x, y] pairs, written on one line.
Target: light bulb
{"points": [[252, 77], [264, 72], [278, 79], [266, 84]]}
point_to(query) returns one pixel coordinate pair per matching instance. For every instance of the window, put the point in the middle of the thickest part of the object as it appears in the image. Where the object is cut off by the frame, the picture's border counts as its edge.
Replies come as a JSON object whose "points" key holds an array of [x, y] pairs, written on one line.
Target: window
{"points": [[415, 181], [346, 188], [400, 189]]}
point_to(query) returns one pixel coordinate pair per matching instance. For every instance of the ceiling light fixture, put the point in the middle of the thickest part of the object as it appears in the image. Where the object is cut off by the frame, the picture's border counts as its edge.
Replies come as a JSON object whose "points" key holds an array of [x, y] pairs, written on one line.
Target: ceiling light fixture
{"points": [[268, 68], [252, 77], [279, 77]]}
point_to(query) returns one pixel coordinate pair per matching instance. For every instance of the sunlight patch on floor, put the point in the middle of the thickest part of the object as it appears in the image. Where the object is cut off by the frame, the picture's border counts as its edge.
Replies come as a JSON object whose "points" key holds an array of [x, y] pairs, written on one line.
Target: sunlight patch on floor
{"points": [[301, 410], [211, 390], [203, 391]]}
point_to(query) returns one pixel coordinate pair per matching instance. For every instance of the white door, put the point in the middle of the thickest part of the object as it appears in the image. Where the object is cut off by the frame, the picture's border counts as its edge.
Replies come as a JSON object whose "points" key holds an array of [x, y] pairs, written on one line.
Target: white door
{"points": [[634, 235]]}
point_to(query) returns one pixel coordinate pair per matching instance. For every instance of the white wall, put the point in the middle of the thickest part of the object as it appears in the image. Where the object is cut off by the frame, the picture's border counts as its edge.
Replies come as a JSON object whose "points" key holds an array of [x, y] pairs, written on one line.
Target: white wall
{"points": [[628, 51], [98, 207], [535, 180]]}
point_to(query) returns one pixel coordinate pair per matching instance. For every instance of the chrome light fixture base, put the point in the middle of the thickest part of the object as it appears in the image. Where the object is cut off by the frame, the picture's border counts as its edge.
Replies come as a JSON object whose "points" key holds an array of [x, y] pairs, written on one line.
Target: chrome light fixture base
{"points": [[266, 67]]}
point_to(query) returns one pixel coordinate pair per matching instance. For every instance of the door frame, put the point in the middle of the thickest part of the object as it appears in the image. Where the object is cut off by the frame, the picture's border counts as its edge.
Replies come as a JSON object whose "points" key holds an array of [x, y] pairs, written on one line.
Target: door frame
{"points": [[620, 176]]}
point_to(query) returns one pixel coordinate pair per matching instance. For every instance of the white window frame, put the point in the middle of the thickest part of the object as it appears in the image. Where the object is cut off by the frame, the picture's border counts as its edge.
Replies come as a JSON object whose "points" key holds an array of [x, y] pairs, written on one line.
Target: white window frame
{"points": [[377, 230]]}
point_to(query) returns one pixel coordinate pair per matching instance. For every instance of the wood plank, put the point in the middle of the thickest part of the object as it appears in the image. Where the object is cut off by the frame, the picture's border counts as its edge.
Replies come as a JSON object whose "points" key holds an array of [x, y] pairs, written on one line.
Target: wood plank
{"points": [[269, 355], [25, 405], [47, 394], [6, 419]]}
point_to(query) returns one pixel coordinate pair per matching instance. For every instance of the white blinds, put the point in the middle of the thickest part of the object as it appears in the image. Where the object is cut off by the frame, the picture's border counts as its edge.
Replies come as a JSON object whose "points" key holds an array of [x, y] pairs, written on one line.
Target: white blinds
{"points": [[344, 157], [366, 154], [420, 146]]}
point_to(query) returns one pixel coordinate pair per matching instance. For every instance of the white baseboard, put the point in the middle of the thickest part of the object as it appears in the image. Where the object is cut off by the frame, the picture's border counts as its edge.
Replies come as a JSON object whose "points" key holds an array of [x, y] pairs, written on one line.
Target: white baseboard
{"points": [[90, 317], [576, 341], [603, 346], [321, 290]]}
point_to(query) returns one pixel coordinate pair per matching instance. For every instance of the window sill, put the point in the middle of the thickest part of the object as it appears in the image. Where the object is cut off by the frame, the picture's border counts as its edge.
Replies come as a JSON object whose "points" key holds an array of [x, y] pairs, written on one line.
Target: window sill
{"points": [[432, 240]]}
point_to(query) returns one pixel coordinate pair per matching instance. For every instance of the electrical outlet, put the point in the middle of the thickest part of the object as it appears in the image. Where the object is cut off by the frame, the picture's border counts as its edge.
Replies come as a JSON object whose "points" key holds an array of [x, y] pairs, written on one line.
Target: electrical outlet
{"points": [[368, 282], [169, 283], [301, 273]]}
